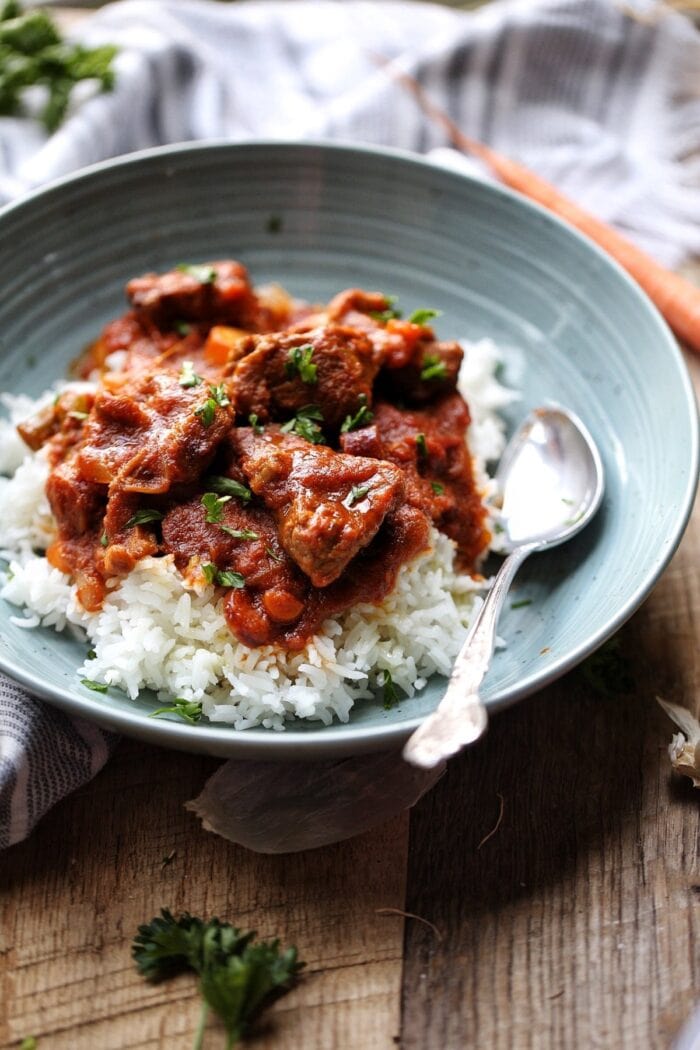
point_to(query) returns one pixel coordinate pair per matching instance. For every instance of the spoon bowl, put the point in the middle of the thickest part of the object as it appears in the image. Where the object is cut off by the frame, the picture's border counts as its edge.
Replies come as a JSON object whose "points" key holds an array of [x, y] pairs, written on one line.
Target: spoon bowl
{"points": [[550, 482]]}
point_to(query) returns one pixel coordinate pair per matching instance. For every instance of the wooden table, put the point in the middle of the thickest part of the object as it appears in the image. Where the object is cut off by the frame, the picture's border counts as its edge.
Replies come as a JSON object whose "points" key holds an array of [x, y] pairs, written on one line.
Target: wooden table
{"points": [[575, 925]]}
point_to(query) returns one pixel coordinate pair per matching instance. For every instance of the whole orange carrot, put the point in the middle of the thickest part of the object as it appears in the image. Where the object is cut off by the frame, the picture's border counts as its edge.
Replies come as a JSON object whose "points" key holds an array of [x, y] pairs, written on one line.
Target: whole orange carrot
{"points": [[677, 299]]}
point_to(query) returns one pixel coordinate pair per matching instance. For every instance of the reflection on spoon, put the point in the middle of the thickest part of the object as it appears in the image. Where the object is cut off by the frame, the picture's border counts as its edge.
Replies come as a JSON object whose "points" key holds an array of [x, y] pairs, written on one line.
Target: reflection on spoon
{"points": [[551, 482]]}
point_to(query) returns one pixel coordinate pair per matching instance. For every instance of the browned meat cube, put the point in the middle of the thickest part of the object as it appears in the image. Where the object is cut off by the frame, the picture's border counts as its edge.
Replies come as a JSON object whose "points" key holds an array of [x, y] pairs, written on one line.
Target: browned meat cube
{"points": [[75, 502], [430, 371], [152, 432], [332, 367], [213, 292], [327, 505]]}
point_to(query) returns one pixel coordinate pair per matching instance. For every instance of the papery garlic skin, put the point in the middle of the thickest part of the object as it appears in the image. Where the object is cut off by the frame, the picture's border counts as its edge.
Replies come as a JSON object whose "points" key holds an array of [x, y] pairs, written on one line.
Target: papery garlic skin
{"points": [[684, 749]]}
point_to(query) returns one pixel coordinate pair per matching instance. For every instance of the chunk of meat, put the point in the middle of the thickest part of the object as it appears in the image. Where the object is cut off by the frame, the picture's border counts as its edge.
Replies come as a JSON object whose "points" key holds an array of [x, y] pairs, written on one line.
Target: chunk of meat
{"points": [[151, 433], [76, 502], [430, 447], [332, 367], [327, 506], [428, 372], [64, 416], [216, 292]]}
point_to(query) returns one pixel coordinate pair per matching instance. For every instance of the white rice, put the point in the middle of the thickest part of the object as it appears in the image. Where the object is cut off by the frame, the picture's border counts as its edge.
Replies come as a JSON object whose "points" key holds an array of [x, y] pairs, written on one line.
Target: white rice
{"points": [[156, 632]]}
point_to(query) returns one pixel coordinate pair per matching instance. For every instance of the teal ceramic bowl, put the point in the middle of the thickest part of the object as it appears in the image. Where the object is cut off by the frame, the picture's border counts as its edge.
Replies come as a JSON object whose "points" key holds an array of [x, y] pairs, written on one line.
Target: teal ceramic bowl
{"points": [[318, 218]]}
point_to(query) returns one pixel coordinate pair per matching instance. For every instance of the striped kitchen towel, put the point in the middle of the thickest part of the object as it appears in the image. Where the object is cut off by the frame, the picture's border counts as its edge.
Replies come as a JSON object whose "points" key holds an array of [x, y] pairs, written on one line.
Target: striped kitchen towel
{"points": [[599, 96]]}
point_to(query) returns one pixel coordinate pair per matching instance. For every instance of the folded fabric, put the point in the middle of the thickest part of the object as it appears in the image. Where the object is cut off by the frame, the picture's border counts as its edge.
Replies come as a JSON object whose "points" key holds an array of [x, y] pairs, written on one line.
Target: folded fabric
{"points": [[603, 102]]}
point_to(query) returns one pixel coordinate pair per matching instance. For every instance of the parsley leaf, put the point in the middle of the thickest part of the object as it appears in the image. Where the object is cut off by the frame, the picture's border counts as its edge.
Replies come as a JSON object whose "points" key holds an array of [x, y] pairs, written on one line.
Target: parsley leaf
{"points": [[390, 692], [437, 488], [200, 272], [104, 539], [229, 487], [226, 578], [214, 507], [258, 428], [357, 493], [390, 313], [240, 534], [207, 412], [433, 367], [219, 394], [237, 978], [422, 317], [299, 361], [97, 687], [183, 328], [188, 377], [521, 603], [143, 517], [273, 554], [209, 571], [189, 710], [303, 424], [422, 446], [362, 417]]}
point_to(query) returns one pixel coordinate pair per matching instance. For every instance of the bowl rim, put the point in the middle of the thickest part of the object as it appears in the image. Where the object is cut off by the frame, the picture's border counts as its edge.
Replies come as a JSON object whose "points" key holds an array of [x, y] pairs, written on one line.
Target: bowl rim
{"points": [[318, 742]]}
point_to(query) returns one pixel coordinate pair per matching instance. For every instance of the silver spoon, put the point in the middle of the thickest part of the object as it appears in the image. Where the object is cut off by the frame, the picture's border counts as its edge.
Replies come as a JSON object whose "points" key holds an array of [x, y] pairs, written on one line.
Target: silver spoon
{"points": [[551, 482]]}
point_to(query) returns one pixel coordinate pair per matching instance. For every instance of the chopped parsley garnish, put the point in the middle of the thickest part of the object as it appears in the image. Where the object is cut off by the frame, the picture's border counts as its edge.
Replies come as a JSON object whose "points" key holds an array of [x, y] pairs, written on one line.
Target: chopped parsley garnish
{"points": [[273, 554], [189, 710], [188, 376], [28, 1043], [223, 577], [143, 517], [207, 412], [521, 603], [240, 534], [303, 424], [389, 690], [421, 446], [433, 367], [214, 507], [258, 428], [357, 493], [91, 655], [391, 313], [422, 317], [230, 579], [182, 328], [229, 487], [97, 687], [219, 394], [362, 417], [237, 978], [299, 361], [437, 488], [203, 274], [104, 539]]}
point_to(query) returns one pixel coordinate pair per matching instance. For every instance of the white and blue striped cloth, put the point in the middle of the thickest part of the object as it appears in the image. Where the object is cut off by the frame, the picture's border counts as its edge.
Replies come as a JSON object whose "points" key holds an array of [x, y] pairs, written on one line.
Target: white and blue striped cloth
{"points": [[600, 97]]}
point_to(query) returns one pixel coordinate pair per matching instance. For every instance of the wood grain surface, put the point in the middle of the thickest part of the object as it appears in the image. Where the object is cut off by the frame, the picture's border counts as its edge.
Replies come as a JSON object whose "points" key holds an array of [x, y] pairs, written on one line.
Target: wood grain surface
{"points": [[576, 924]]}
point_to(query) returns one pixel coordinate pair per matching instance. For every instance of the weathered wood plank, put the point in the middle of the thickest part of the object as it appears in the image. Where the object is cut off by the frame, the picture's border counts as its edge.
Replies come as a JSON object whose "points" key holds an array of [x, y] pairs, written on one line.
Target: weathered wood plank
{"points": [[72, 896]]}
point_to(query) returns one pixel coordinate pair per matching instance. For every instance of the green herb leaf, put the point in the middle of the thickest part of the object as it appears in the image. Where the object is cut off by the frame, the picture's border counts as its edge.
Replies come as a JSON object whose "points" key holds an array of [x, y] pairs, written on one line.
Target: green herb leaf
{"points": [[273, 554], [143, 517], [91, 654], [237, 978], [97, 687], [437, 488], [357, 493], [209, 571], [226, 578], [422, 317], [390, 692], [258, 428], [299, 361], [303, 424], [214, 507], [240, 534], [389, 314], [183, 328], [188, 376], [228, 487], [28, 1043], [422, 446], [219, 394], [200, 272], [433, 367], [189, 710], [362, 417], [104, 539], [521, 603], [207, 412]]}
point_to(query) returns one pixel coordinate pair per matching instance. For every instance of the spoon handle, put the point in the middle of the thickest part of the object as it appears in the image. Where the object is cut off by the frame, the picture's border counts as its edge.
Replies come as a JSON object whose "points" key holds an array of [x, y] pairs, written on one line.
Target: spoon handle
{"points": [[460, 718]]}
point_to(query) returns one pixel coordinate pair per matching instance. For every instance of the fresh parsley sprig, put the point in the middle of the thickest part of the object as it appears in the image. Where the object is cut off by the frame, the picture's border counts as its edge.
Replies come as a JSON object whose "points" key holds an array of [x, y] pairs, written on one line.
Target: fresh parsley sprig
{"points": [[189, 710], [237, 978], [198, 271], [433, 367], [362, 417], [228, 487], [422, 317], [305, 424], [143, 517], [299, 363]]}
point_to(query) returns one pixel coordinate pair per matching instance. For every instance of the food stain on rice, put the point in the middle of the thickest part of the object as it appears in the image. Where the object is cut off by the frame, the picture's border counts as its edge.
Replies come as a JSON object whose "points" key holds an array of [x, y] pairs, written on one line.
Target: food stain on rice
{"points": [[154, 631]]}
